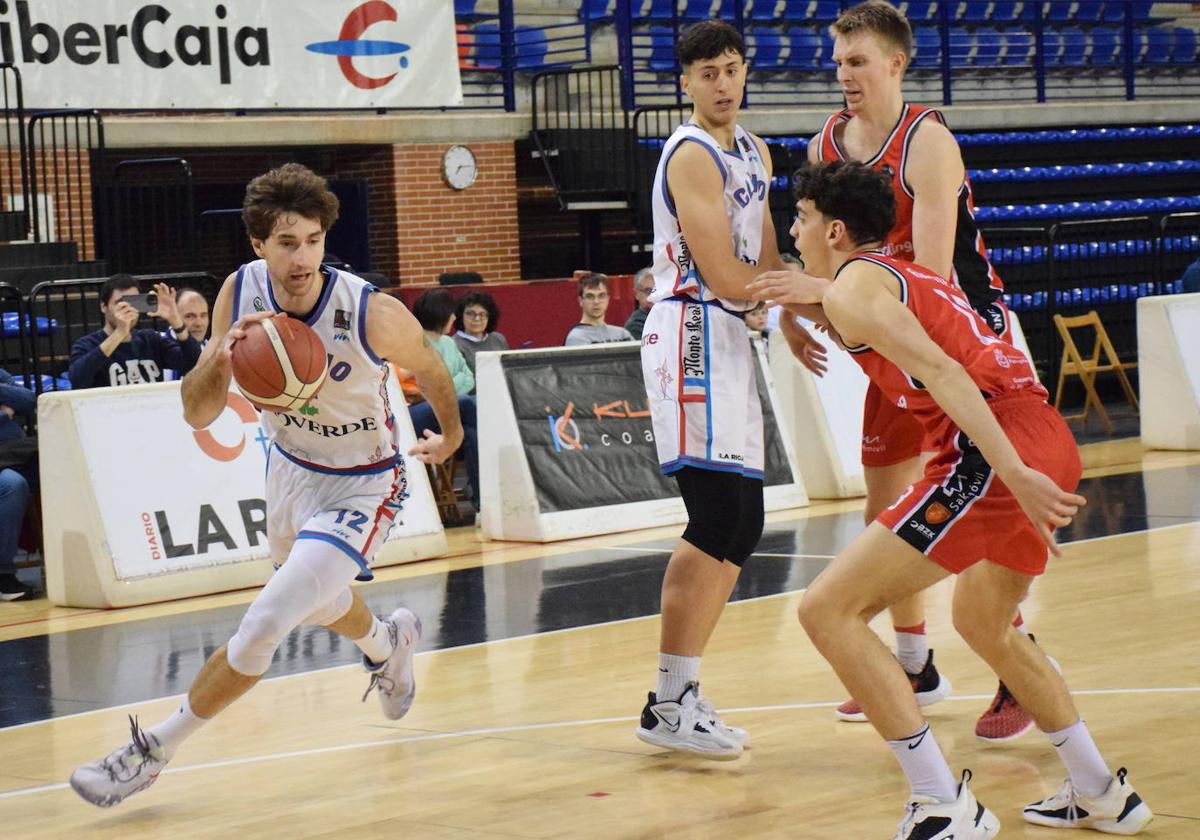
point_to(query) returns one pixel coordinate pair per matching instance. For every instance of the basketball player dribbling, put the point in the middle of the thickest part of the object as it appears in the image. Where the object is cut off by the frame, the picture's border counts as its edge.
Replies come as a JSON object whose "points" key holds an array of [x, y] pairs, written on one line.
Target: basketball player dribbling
{"points": [[712, 236], [980, 511], [333, 489], [935, 226]]}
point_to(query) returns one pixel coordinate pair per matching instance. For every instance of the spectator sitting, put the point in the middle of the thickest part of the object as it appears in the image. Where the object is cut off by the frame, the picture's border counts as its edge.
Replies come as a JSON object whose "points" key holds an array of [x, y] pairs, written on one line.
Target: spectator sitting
{"points": [[118, 354], [477, 316], [18, 466], [643, 287], [435, 310], [194, 309], [593, 302]]}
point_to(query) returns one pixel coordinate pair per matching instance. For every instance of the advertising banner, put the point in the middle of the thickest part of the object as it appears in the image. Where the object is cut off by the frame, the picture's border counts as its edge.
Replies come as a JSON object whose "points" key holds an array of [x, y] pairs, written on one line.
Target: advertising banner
{"points": [[585, 428], [192, 54], [171, 498]]}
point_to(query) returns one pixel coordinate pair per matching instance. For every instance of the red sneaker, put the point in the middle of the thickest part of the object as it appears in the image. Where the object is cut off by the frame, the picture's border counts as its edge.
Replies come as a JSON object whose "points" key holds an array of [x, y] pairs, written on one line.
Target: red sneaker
{"points": [[1004, 719]]}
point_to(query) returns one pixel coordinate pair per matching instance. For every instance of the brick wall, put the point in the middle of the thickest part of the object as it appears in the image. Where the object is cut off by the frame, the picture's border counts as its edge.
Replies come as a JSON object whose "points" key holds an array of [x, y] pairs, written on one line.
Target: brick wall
{"points": [[442, 229]]}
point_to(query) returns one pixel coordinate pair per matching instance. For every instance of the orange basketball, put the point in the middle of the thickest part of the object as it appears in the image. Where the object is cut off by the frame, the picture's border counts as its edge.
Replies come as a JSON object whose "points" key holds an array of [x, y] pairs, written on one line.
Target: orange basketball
{"points": [[280, 364]]}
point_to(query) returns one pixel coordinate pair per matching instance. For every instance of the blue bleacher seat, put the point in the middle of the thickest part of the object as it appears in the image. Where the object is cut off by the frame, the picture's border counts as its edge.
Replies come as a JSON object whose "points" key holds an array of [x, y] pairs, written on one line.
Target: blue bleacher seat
{"points": [[1141, 9], [657, 9], [662, 49], [928, 45], [827, 10], [531, 46], [486, 37], [766, 47], [988, 43], [1052, 47], [805, 47], [1018, 47], [762, 10], [1003, 12], [10, 325], [919, 10], [975, 11], [49, 383], [464, 8], [724, 10], [1159, 43], [1088, 11], [1185, 46], [1059, 11], [697, 9], [826, 49], [1106, 46], [595, 9], [794, 10], [1074, 47], [962, 46]]}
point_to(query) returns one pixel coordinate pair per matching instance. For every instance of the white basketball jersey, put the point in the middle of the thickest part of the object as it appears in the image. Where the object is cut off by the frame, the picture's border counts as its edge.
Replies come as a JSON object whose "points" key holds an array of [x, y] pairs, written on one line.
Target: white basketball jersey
{"points": [[746, 185], [349, 427]]}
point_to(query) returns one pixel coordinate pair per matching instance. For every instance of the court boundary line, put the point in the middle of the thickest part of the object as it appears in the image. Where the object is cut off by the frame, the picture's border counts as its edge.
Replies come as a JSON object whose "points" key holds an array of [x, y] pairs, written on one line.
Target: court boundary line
{"points": [[615, 621], [492, 731]]}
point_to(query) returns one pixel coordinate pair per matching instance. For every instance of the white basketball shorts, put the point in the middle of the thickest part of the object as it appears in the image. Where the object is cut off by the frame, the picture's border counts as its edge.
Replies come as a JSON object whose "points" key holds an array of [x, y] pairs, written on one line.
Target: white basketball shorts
{"points": [[698, 366], [352, 511]]}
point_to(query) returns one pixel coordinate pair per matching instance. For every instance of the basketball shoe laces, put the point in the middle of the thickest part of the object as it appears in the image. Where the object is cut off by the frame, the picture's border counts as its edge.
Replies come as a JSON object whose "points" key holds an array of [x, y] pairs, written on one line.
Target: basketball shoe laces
{"points": [[378, 679], [1067, 798], [1003, 695], [125, 764]]}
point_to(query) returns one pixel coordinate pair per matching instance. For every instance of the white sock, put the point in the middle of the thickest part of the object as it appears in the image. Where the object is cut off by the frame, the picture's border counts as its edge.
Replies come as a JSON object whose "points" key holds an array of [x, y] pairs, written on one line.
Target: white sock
{"points": [[174, 730], [1089, 774], [674, 673], [377, 644], [923, 763], [912, 647]]}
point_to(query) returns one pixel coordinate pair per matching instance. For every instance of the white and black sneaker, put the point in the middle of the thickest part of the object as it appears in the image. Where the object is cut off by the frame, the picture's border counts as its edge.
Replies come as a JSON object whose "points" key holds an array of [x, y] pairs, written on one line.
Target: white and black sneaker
{"points": [[123, 772], [736, 732], [685, 725], [963, 819], [394, 677], [1119, 810]]}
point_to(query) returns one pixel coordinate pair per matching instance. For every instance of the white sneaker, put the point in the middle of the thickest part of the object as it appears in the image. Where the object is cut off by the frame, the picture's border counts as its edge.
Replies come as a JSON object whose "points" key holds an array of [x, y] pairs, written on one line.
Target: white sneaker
{"points": [[963, 819], [394, 676], [124, 772], [1119, 810], [736, 732], [683, 725]]}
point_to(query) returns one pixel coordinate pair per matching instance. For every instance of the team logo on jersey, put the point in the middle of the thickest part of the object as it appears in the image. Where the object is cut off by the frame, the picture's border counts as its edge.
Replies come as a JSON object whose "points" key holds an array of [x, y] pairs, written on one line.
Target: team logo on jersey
{"points": [[693, 359], [664, 379], [350, 44], [755, 189], [341, 319], [259, 306], [937, 513], [888, 170]]}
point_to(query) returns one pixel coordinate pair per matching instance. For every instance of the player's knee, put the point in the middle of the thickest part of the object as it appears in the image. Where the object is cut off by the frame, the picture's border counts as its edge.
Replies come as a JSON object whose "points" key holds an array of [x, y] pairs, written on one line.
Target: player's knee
{"points": [[813, 612], [749, 531], [252, 648], [707, 535]]}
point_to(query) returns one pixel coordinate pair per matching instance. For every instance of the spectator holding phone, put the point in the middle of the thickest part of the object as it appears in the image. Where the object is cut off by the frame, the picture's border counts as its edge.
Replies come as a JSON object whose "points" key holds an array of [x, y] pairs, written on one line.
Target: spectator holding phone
{"points": [[119, 354]]}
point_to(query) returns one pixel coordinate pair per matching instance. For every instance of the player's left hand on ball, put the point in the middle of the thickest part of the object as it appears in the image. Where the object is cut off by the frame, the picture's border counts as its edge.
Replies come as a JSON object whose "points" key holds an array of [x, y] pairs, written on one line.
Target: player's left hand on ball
{"points": [[433, 448], [781, 288], [1046, 504]]}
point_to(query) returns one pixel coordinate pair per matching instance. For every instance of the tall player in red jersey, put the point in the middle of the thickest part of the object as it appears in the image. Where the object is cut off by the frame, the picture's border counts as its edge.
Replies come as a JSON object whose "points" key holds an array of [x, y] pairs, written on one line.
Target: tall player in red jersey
{"points": [[979, 511], [935, 226]]}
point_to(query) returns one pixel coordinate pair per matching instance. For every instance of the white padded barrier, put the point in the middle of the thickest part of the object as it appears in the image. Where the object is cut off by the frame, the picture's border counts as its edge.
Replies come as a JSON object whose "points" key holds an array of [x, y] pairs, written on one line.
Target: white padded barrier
{"points": [[139, 508], [1168, 331], [579, 425]]}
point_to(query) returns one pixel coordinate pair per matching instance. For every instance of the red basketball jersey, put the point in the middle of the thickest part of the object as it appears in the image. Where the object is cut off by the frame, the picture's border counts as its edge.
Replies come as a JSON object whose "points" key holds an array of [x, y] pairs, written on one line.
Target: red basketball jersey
{"points": [[972, 270], [993, 364]]}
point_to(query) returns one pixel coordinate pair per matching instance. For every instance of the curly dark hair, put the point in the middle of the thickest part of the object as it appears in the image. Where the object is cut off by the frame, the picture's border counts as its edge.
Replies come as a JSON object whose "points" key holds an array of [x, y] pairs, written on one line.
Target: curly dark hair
{"points": [[478, 299], [858, 195], [291, 188], [433, 309], [708, 39]]}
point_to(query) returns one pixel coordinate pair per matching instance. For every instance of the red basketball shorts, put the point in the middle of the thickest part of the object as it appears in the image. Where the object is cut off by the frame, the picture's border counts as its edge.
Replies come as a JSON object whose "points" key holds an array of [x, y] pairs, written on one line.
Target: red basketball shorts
{"points": [[960, 512]]}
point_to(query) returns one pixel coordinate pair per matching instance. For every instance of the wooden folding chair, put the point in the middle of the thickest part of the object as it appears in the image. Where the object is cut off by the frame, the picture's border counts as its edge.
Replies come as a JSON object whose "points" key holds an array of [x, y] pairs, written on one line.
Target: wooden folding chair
{"points": [[1075, 364], [441, 480]]}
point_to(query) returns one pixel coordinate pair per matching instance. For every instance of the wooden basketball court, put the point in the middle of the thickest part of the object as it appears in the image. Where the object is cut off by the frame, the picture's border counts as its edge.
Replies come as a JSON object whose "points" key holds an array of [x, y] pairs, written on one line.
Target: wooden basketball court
{"points": [[528, 733]]}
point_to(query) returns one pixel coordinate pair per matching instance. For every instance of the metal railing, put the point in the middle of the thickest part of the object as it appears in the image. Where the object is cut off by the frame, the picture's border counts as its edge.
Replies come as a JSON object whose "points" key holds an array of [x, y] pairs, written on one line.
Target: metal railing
{"points": [[14, 171], [153, 224], [66, 171]]}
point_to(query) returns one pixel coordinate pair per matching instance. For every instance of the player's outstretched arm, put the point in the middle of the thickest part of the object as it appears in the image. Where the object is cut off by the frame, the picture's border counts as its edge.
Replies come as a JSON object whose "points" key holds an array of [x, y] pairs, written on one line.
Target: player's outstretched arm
{"points": [[698, 190], [865, 309], [204, 388], [394, 334]]}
